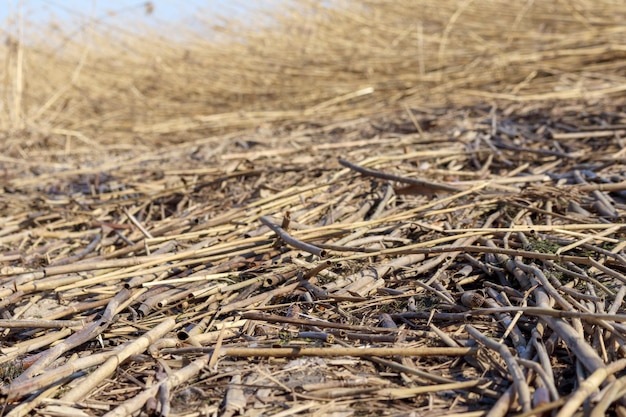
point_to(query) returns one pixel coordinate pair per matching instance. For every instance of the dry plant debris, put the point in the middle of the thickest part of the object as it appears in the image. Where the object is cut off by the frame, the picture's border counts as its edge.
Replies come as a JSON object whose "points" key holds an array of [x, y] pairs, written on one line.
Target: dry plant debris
{"points": [[341, 229], [477, 266]]}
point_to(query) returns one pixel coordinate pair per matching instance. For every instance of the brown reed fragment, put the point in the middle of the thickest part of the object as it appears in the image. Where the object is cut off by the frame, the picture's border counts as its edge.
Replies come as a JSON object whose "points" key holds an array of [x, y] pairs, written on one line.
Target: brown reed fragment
{"points": [[512, 365], [583, 351], [503, 251], [16, 390], [76, 308], [49, 284], [545, 284], [88, 332], [343, 248], [433, 377], [137, 224], [323, 336], [31, 345], [26, 407], [42, 324], [11, 298], [611, 395], [545, 378], [317, 323], [588, 386], [314, 290], [282, 234], [548, 311], [110, 365], [84, 266], [569, 271], [610, 272], [136, 281], [397, 393], [297, 351], [420, 185], [316, 270], [177, 378], [370, 276], [161, 296], [239, 305], [80, 255]]}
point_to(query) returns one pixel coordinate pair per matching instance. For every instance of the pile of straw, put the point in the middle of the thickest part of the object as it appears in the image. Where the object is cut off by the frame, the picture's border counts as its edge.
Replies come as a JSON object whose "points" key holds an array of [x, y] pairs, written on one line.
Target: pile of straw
{"points": [[351, 208]]}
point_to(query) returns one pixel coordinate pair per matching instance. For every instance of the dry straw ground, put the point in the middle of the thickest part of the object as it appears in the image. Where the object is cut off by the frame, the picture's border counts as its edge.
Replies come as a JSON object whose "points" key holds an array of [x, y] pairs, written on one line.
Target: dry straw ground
{"points": [[397, 208]]}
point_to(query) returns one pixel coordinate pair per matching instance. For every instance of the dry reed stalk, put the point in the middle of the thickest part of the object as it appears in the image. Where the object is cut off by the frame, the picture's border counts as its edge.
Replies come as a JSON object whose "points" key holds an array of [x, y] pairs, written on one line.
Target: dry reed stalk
{"points": [[88, 332], [340, 351], [26, 407], [245, 304], [42, 324], [584, 352], [111, 363], [432, 377], [283, 235], [177, 378], [612, 394], [16, 390], [397, 393], [421, 186], [317, 323], [484, 249], [34, 343], [513, 367], [588, 386]]}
